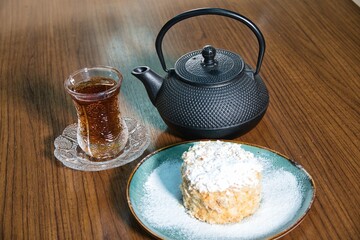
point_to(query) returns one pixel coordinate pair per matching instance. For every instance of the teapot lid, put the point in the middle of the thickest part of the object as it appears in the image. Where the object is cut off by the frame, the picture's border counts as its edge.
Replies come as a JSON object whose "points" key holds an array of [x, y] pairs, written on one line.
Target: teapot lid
{"points": [[209, 66]]}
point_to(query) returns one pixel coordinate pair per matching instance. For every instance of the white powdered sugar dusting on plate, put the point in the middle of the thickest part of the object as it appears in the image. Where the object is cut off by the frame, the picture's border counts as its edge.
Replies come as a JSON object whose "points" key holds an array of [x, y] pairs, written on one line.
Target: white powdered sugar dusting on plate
{"points": [[162, 208]]}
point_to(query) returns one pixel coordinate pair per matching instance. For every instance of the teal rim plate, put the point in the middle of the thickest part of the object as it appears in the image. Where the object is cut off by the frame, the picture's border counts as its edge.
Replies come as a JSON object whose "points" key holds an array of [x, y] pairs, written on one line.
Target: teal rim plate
{"points": [[155, 199]]}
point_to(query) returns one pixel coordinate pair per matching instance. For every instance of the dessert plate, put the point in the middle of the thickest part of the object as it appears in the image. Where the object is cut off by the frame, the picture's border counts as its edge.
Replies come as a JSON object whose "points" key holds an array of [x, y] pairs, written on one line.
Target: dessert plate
{"points": [[69, 153], [155, 199]]}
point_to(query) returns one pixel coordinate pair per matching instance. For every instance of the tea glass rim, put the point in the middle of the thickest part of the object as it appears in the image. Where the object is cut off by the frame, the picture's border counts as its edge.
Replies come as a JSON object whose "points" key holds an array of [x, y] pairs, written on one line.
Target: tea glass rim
{"points": [[93, 96]]}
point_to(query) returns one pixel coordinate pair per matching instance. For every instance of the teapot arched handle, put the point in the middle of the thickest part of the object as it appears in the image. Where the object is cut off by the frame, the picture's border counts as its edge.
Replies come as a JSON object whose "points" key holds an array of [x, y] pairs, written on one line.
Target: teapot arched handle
{"points": [[210, 11]]}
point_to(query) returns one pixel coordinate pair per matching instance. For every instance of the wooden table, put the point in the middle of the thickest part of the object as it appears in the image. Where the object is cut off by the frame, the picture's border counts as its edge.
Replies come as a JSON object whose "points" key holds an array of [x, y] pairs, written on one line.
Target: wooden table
{"points": [[311, 69]]}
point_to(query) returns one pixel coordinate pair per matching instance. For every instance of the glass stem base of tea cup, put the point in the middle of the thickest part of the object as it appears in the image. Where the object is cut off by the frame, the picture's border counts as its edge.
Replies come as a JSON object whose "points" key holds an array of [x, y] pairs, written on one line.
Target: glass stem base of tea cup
{"points": [[103, 151]]}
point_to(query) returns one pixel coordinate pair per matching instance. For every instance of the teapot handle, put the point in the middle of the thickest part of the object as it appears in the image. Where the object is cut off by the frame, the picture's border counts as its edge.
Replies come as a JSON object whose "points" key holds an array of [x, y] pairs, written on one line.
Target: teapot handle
{"points": [[210, 11]]}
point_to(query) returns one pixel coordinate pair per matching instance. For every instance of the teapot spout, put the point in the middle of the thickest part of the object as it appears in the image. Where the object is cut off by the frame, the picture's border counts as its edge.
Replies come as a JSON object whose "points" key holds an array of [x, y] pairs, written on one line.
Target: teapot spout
{"points": [[150, 79]]}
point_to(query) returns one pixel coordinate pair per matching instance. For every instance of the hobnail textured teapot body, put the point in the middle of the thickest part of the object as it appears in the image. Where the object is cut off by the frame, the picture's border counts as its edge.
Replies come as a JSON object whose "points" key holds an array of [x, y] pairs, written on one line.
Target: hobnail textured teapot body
{"points": [[212, 112]]}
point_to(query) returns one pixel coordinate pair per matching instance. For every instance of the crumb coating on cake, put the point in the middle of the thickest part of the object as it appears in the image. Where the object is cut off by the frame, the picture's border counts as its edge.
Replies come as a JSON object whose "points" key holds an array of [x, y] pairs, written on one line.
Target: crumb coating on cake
{"points": [[221, 182]]}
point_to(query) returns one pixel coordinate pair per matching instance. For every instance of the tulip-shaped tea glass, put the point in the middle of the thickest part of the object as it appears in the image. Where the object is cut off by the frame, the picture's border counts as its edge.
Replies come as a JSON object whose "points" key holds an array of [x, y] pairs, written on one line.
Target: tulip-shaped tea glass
{"points": [[101, 132]]}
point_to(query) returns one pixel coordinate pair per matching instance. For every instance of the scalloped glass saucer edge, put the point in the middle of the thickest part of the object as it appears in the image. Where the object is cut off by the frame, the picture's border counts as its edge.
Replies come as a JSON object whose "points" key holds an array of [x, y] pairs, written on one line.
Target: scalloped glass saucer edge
{"points": [[69, 153]]}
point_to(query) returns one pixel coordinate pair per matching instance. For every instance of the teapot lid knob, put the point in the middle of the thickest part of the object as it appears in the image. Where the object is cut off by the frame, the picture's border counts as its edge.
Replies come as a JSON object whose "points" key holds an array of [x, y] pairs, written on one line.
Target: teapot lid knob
{"points": [[209, 52]]}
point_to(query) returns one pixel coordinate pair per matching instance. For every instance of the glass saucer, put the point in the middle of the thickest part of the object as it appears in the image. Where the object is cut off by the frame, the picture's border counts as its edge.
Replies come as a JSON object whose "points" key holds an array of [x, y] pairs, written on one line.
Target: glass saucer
{"points": [[69, 153]]}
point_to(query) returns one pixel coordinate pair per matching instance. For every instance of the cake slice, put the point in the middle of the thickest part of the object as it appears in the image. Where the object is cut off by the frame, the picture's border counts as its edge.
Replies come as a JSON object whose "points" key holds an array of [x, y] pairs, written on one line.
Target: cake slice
{"points": [[221, 182]]}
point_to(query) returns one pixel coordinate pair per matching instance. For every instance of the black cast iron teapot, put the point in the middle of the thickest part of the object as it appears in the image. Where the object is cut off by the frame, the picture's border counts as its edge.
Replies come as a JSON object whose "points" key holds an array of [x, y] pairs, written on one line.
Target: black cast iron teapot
{"points": [[210, 93]]}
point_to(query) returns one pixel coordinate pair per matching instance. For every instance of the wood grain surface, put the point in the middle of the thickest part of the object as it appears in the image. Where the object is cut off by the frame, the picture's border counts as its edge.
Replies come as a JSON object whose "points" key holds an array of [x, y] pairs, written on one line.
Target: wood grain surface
{"points": [[311, 69]]}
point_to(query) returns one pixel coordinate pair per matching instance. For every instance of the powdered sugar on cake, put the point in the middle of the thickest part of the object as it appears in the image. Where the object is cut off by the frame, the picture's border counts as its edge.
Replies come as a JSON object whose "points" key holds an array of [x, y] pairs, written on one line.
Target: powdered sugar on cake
{"points": [[215, 166]]}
